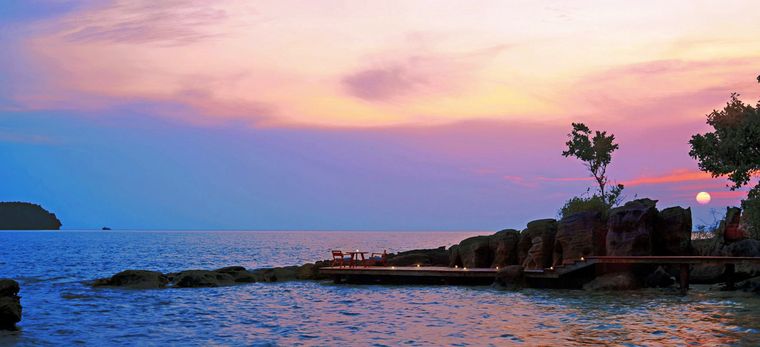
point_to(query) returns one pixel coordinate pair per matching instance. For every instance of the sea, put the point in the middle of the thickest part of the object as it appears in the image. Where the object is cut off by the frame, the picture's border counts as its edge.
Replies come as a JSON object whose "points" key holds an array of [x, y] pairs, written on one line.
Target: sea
{"points": [[60, 308]]}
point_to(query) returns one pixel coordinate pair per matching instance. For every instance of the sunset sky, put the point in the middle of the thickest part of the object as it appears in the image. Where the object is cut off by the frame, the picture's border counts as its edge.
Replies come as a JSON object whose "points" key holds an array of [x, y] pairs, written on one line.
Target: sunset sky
{"points": [[376, 115]]}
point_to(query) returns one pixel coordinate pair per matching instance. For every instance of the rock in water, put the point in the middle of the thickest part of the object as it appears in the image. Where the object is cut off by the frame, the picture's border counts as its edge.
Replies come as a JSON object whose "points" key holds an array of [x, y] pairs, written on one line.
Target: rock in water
{"points": [[136, 279], [423, 257], [672, 235], [579, 235], [26, 216], [541, 255], [630, 228], [202, 278], [238, 273], [613, 281], [511, 277], [10, 304]]}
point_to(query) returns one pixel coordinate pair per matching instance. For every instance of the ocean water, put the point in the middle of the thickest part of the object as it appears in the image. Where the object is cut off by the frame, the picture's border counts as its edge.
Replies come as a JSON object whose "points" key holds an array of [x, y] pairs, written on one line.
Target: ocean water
{"points": [[60, 309]]}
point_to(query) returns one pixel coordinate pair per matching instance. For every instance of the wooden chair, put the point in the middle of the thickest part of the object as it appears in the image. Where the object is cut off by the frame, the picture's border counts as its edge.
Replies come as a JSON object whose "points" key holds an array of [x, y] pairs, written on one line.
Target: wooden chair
{"points": [[378, 258], [339, 259]]}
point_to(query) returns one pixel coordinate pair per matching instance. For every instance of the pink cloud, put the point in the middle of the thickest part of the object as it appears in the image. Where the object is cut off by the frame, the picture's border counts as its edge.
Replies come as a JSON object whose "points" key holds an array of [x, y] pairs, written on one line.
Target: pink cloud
{"points": [[675, 176]]}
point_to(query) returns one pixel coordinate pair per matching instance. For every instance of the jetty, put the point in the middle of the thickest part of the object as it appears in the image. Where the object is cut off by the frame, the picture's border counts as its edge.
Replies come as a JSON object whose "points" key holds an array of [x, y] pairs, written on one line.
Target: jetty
{"points": [[558, 276]]}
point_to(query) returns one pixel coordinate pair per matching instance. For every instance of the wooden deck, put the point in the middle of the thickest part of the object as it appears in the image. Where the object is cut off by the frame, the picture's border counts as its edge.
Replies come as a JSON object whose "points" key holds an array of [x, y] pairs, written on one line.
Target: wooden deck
{"points": [[474, 276], [411, 274]]}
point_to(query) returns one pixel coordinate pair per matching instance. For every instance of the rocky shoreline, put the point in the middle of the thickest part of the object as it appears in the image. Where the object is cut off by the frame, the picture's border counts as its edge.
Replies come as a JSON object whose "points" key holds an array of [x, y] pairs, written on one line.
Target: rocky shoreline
{"points": [[10, 304], [637, 228]]}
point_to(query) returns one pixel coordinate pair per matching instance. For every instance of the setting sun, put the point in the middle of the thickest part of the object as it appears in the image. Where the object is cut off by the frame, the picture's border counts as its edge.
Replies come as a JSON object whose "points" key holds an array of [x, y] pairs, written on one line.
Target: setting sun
{"points": [[704, 198]]}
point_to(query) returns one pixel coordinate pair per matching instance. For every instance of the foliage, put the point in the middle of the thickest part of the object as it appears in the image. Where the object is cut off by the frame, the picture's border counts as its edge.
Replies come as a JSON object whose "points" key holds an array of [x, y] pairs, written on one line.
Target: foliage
{"points": [[751, 215], [592, 203], [733, 150], [595, 152]]}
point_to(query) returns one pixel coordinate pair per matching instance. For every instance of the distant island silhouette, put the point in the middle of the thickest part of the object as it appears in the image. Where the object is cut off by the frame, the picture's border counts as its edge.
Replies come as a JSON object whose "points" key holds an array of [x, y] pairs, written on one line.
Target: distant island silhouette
{"points": [[26, 216]]}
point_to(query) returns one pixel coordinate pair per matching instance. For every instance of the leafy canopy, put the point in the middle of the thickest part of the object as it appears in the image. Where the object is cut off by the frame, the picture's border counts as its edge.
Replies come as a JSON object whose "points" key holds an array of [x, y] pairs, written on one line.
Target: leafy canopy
{"points": [[595, 152], [733, 150]]}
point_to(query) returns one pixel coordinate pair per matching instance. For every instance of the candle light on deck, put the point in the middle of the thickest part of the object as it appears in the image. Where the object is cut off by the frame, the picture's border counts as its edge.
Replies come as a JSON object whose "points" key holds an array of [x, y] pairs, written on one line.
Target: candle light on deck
{"points": [[456, 266], [418, 265], [551, 268], [583, 259], [393, 268]]}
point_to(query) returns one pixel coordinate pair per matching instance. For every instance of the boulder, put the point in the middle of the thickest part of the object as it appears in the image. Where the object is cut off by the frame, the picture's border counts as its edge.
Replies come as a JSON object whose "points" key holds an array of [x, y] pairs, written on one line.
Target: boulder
{"points": [[750, 285], [277, 274], [504, 244], [497, 250], [579, 235], [672, 234], [423, 257], [730, 226], [10, 304], [630, 228], [202, 278], [659, 279], [744, 248], [473, 252], [239, 274], [535, 260], [510, 277], [613, 281], [545, 229], [136, 279]]}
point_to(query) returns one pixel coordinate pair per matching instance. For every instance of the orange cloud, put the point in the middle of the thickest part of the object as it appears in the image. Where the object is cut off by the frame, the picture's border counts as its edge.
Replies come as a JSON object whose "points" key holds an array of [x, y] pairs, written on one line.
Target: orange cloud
{"points": [[676, 176]]}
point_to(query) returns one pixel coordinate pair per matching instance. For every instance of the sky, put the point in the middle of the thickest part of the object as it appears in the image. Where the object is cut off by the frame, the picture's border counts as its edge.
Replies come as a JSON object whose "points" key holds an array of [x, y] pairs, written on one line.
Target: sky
{"points": [[358, 115]]}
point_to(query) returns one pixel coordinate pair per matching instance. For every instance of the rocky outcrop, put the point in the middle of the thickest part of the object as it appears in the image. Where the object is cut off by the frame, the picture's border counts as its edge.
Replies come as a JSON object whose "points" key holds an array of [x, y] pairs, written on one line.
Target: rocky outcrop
{"points": [[136, 279], [226, 276], [730, 226], [672, 234], [10, 304], [630, 228], [536, 242], [238, 273], [201, 278], [579, 235], [613, 281], [423, 257], [26, 216], [495, 250]]}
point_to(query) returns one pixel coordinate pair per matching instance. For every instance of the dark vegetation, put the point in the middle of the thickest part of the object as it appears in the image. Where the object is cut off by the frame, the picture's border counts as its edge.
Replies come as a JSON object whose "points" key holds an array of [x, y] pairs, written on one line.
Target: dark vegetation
{"points": [[732, 149], [596, 153]]}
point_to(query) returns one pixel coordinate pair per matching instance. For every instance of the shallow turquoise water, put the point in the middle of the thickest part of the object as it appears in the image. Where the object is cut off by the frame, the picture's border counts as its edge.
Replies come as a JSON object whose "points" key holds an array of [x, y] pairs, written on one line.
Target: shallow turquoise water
{"points": [[60, 310]]}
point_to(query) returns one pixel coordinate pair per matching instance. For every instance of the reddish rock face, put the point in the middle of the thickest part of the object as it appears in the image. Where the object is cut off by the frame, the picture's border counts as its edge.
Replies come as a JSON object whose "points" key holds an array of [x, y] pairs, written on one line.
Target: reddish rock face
{"points": [[731, 225], [630, 228], [579, 235], [535, 258]]}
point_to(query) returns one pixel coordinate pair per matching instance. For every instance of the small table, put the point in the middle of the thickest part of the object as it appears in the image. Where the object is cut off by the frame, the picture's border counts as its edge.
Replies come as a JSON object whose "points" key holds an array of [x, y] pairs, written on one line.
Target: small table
{"points": [[355, 256]]}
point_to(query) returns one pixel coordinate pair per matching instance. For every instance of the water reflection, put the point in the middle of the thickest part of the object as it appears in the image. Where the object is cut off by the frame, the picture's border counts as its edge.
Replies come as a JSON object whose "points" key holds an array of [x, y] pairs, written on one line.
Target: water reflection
{"points": [[60, 310]]}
